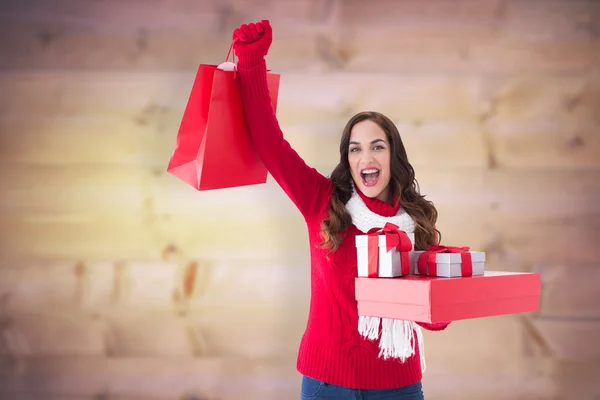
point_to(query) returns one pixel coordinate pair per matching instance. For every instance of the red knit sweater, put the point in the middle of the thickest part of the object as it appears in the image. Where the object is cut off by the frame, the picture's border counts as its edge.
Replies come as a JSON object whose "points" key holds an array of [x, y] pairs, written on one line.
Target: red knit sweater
{"points": [[331, 349]]}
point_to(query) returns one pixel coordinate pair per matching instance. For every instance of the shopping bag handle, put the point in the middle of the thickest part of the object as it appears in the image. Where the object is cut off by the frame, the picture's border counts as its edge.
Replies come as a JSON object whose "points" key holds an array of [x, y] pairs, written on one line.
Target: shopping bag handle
{"points": [[232, 53]]}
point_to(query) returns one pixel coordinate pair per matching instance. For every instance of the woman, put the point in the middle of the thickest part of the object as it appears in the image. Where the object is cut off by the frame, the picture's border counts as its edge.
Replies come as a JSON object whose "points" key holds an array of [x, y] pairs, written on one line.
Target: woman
{"points": [[373, 184]]}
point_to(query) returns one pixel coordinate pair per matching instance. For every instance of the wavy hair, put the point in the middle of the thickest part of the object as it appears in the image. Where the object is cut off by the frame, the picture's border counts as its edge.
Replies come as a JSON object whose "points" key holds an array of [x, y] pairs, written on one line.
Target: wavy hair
{"points": [[402, 183]]}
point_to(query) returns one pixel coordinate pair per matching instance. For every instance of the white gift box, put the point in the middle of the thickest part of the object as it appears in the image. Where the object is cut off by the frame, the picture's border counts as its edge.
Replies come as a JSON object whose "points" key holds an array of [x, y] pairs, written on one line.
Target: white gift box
{"points": [[389, 261], [449, 265]]}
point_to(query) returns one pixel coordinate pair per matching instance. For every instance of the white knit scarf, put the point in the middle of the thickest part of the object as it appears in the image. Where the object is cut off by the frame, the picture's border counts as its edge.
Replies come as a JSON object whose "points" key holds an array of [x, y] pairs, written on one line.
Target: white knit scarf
{"points": [[397, 336]]}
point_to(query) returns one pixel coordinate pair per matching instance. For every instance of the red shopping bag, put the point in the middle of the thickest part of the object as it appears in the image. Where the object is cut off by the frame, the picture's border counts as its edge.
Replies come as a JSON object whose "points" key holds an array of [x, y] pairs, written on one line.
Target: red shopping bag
{"points": [[213, 147]]}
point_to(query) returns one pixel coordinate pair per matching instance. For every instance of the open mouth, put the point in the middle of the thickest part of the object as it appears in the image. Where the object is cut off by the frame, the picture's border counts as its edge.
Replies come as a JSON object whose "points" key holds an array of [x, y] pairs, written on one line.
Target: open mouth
{"points": [[370, 176]]}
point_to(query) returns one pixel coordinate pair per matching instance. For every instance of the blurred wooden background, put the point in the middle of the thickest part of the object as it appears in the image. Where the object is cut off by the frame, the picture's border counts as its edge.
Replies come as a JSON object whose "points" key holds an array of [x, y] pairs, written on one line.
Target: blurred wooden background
{"points": [[118, 281]]}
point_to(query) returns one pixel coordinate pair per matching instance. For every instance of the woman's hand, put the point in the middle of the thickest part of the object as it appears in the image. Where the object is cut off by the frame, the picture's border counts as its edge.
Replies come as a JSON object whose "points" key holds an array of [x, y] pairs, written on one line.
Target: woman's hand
{"points": [[252, 40]]}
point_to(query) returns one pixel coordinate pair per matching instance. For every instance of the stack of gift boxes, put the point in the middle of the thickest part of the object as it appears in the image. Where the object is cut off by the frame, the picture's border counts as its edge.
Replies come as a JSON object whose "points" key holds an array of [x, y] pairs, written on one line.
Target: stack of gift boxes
{"points": [[441, 284]]}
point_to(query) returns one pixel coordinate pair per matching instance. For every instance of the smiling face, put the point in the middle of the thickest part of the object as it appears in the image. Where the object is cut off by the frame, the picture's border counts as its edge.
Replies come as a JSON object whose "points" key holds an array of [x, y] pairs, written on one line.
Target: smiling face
{"points": [[369, 159]]}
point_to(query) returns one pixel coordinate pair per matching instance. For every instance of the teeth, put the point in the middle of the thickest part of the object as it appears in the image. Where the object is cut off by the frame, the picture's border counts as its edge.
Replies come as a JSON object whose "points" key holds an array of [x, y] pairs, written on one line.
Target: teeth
{"points": [[370, 171]]}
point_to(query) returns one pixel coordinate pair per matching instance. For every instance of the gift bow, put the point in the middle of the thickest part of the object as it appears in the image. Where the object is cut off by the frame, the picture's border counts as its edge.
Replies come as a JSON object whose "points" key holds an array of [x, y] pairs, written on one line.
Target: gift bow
{"points": [[427, 263], [394, 237]]}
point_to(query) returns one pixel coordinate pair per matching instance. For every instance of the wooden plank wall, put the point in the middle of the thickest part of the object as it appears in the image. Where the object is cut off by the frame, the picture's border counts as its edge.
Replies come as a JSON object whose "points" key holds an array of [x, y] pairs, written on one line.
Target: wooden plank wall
{"points": [[119, 281]]}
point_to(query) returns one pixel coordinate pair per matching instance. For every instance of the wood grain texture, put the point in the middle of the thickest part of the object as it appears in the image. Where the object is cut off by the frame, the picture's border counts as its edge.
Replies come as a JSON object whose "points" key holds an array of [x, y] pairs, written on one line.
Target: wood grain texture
{"points": [[518, 122], [574, 379], [270, 301], [89, 212], [94, 142], [465, 37], [153, 285], [42, 333], [126, 379], [179, 376], [569, 291], [65, 193], [571, 339], [151, 97], [74, 141], [129, 376], [165, 93], [113, 271]]}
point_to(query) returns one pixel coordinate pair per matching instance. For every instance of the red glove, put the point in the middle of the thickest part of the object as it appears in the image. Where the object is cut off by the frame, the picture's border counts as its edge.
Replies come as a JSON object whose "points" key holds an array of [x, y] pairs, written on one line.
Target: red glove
{"points": [[252, 41]]}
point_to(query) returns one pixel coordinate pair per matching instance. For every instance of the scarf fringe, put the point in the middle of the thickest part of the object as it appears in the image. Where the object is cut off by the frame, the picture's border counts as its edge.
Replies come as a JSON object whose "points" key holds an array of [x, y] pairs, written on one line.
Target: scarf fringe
{"points": [[397, 337], [369, 327]]}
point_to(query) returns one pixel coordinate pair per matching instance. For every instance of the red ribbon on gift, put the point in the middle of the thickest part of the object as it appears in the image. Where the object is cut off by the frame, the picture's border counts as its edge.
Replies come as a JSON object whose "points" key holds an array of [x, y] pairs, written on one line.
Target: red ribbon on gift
{"points": [[394, 237], [427, 264]]}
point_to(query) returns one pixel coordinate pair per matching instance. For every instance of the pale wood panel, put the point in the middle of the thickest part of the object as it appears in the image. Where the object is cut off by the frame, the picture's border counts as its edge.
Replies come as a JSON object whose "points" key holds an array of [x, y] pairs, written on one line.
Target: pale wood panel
{"points": [[153, 285], [512, 195], [438, 16], [542, 98], [279, 239], [556, 212], [569, 291], [512, 216], [505, 385], [147, 283], [187, 15], [574, 379], [27, 285], [267, 333], [516, 246], [158, 96], [33, 395], [226, 378], [87, 193], [571, 339], [543, 379], [411, 16], [58, 46], [502, 36], [444, 349], [124, 141], [223, 378], [120, 376], [122, 237], [324, 50], [537, 19], [52, 334], [223, 299], [155, 101], [87, 141], [220, 298], [548, 144], [495, 56], [150, 335], [467, 36], [138, 96], [40, 191], [543, 19], [536, 123], [271, 331]]}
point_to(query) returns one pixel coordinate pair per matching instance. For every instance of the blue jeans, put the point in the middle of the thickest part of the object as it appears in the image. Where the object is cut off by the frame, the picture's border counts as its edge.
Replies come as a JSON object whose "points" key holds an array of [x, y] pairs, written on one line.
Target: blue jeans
{"points": [[313, 389]]}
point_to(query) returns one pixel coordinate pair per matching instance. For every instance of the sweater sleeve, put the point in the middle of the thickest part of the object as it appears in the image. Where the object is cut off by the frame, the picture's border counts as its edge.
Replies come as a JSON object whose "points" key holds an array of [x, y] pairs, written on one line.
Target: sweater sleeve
{"points": [[440, 326], [304, 185]]}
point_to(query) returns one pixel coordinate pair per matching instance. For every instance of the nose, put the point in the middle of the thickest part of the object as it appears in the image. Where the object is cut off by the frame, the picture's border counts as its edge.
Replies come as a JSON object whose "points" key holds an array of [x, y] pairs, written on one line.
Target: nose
{"points": [[366, 157]]}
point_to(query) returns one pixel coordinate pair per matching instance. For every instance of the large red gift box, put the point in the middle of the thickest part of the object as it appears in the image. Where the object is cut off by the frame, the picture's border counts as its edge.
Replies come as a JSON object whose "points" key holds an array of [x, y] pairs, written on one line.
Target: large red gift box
{"points": [[435, 299]]}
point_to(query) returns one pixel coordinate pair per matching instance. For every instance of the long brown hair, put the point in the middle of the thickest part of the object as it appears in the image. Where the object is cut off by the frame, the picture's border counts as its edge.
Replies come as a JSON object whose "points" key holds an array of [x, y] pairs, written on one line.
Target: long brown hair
{"points": [[402, 183]]}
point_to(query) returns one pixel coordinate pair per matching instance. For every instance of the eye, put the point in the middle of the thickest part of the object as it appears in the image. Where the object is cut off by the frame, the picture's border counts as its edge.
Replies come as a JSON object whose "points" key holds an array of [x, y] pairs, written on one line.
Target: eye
{"points": [[354, 150], [378, 147]]}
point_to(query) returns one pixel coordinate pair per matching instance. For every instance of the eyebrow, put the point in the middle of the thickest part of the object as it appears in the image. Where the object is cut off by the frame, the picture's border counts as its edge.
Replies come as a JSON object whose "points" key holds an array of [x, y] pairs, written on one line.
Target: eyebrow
{"points": [[374, 141]]}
